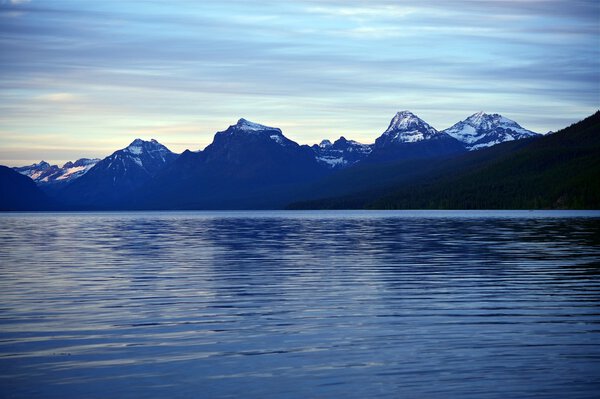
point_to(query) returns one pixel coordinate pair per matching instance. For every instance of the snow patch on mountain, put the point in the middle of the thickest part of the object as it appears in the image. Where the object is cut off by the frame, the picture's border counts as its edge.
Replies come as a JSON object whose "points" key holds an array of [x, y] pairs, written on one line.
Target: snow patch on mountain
{"points": [[325, 144], [136, 150], [332, 162], [341, 153], [44, 173], [246, 125], [482, 130], [276, 138], [148, 155], [406, 127], [71, 172], [251, 132]]}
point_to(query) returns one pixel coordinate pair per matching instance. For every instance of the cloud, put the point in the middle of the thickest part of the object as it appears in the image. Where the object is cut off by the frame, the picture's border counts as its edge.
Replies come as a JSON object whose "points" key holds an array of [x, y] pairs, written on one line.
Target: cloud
{"points": [[318, 67], [57, 97], [373, 11]]}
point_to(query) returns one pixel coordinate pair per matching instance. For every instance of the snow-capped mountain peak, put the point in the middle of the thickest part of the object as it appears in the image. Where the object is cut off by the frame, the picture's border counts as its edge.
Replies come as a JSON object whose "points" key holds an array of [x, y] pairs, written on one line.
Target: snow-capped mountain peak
{"points": [[483, 120], [139, 147], [149, 155], [136, 147], [74, 170], [122, 172], [484, 130], [244, 124], [477, 118], [246, 130], [340, 153], [129, 166], [41, 165], [410, 137], [37, 171], [406, 127], [82, 162], [44, 173], [403, 120]]}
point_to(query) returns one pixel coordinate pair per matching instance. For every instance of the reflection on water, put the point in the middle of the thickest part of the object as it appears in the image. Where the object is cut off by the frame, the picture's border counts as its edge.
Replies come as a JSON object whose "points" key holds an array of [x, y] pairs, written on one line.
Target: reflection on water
{"points": [[300, 304]]}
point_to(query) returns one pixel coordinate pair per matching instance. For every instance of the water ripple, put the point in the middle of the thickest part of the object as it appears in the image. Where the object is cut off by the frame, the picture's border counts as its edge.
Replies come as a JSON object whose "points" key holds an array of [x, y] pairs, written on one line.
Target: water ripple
{"points": [[300, 304]]}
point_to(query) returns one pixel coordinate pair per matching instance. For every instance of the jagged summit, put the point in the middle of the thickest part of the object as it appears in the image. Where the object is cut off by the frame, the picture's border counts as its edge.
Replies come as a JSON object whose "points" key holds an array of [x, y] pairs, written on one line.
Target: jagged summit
{"points": [[246, 125], [245, 130], [405, 120], [406, 127], [121, 172], [37, 171], [137, 141], [40, 165], [341, 153], [81, 162], [410, 137], [44, 173], [478, 117], [143, 152], [140, 142], [483, 120], [484, 130], [136, 146], [139, 146]]}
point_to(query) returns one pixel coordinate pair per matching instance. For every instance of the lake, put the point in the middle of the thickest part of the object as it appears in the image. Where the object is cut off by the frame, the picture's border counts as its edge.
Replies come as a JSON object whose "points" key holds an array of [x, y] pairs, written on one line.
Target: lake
{"points": [[415, 304]]}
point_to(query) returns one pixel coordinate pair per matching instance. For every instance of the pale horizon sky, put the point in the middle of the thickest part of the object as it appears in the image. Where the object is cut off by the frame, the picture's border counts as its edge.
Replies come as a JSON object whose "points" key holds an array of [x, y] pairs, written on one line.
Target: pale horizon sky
{"points": [[85, 78]]}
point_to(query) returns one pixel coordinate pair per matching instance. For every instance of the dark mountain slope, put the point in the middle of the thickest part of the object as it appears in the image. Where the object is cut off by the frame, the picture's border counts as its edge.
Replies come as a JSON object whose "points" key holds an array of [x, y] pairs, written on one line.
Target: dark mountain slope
{"points": [[19, 193], [358, 186], [247, 166], [558, 171], [112, 179], [561, 170]]}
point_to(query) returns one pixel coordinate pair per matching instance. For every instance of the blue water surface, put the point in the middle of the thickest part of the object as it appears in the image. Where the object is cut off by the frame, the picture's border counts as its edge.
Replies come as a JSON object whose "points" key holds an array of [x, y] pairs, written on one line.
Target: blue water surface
{"points": [[360, 304]]}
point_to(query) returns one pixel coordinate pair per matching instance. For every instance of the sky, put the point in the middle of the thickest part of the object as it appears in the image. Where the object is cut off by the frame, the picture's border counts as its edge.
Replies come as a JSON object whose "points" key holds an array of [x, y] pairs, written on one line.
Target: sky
{"points": [[83, 78]]}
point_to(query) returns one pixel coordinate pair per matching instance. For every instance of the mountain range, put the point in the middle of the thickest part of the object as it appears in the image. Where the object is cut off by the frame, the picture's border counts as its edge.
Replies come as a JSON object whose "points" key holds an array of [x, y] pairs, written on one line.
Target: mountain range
{"points": [[116, 176], [248, 165], [482, 130], [556, 171], [44, 173], [253, 166]]}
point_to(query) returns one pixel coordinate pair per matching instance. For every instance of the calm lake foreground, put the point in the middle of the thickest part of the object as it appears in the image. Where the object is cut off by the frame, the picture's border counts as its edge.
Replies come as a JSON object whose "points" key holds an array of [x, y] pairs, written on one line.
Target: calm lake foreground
{"points": [[411, 304]]}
